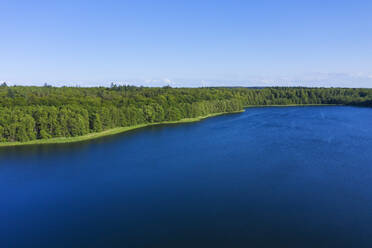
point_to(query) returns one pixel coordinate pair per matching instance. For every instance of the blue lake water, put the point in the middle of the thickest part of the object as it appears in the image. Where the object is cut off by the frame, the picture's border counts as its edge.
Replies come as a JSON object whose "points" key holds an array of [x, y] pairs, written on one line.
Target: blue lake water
{"points": [[268, 177]]}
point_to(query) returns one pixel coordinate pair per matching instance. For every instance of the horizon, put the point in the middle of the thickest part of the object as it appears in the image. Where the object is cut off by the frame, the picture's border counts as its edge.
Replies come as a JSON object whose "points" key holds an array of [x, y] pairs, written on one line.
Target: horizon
{"points": [[187, 44], [118, 84]]}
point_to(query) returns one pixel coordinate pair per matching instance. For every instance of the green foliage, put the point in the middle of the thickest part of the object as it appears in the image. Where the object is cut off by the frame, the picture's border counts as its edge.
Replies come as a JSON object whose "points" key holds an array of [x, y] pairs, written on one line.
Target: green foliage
{"points": [[2, 138], [95, 123], [30, 113]]}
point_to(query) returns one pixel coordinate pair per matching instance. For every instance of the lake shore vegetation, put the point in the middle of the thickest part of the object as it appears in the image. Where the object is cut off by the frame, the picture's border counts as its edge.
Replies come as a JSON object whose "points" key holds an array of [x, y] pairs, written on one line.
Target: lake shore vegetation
{"points": [[35, 115]]}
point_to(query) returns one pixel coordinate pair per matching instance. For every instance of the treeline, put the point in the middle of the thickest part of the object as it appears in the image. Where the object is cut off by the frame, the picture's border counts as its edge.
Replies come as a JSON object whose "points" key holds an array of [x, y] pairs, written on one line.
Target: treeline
{"points": [[29, 113]]}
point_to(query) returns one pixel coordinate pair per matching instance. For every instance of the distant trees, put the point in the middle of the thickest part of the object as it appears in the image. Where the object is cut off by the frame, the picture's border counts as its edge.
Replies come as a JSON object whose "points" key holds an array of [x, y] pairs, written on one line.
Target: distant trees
{"points": [[29, 113]]}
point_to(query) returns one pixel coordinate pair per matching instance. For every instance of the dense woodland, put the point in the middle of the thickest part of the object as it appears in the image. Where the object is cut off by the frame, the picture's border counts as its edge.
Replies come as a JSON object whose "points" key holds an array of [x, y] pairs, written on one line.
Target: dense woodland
{"points": [[29, 113]]}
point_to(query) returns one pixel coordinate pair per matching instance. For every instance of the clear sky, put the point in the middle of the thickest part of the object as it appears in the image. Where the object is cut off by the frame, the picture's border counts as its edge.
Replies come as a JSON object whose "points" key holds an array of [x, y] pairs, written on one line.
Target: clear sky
{"points": [[187, 43]]}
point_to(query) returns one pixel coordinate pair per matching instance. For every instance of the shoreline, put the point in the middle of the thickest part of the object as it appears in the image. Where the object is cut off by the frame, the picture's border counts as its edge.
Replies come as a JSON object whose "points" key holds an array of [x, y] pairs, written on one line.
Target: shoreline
{"points": [[109, 132], [117, 130], [292, 105]]}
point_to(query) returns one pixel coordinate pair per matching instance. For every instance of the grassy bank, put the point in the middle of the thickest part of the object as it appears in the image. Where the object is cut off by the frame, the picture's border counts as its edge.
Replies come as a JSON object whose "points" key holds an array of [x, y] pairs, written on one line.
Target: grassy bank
{"points": [[109, 132]]}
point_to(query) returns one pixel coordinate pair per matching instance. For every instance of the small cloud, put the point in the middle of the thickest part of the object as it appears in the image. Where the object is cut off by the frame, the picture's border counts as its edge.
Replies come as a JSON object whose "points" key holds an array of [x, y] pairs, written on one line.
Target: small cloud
{"points": [[157, 82], [167, 80]]}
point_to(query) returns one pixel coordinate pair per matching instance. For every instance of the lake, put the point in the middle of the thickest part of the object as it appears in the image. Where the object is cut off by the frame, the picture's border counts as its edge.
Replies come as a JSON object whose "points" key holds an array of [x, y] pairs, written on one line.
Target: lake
{"points": [[268, 177]]}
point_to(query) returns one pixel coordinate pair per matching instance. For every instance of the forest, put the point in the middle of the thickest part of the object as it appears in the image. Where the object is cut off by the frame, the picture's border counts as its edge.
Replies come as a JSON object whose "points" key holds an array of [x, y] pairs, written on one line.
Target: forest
{"points": [[29, 112]]}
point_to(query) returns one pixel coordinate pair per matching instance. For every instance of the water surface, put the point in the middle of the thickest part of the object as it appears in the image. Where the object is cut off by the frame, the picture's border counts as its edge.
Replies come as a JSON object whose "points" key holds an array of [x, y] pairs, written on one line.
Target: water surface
{"points": [[269, 177]]}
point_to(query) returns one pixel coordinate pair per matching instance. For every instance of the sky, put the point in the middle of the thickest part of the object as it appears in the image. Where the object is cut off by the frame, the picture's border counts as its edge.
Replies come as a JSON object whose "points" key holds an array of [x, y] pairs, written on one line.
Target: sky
{"points": [[187, 43]]}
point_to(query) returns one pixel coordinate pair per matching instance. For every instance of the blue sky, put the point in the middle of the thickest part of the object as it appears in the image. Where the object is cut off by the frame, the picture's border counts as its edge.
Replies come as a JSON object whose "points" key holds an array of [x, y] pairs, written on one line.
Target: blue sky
{"points": [[187, 43]]}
